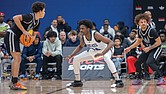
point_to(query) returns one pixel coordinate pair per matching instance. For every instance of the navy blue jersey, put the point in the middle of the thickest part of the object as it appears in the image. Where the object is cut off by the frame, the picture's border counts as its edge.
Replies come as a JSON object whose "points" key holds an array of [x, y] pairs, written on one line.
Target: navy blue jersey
{"points": [[28, 22]]}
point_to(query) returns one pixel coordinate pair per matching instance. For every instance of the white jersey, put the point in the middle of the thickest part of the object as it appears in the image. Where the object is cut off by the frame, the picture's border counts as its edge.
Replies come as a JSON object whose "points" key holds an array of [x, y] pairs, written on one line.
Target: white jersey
{"points": [[93, 44]]}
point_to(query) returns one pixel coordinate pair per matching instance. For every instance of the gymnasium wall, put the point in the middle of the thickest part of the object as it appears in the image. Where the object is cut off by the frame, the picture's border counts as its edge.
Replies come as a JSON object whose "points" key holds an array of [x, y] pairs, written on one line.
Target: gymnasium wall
{"points": [[74, 10]]}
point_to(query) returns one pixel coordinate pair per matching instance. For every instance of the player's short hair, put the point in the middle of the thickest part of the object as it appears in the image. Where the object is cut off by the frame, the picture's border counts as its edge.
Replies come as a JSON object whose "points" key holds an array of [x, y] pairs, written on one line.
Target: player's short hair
{"points": [[51, 34], [141, 16], [86, 22], [38, 6]]}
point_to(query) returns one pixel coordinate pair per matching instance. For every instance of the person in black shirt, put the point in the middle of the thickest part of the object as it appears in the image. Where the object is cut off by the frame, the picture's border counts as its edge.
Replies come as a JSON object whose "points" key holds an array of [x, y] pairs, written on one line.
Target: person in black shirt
{"points": [[151, 48], [23, 23]]}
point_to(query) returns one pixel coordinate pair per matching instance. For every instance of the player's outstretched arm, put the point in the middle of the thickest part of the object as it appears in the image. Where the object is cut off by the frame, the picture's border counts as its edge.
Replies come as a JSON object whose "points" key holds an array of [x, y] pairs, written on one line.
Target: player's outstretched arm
{"points": [[78, 48]]}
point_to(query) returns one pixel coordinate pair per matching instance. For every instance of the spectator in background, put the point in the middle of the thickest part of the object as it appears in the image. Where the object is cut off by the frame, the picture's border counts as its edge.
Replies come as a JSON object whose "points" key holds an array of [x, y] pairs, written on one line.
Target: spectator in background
{"points": [[132, 35], [52, 52], [32, 54], [125, 41], [5, 58], [118, 55], [62, 37], [151, 23], [106, 33], [162, 57], [62, 25], [3, 27], [73, 40], [110, 30], [53, 27], [120, 26], [10, 22]]}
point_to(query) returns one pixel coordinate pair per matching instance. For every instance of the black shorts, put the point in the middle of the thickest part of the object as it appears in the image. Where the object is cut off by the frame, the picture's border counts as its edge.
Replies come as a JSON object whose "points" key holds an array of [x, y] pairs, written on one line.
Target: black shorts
{"points": [[12, 42]]}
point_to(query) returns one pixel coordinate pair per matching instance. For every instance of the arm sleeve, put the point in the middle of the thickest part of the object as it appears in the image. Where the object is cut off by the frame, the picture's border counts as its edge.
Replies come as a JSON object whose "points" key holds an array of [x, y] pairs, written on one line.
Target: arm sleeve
{"points": [[39, 52], [27, 17], [58, 49], [154, 34], [44, 49], [24, 52]]}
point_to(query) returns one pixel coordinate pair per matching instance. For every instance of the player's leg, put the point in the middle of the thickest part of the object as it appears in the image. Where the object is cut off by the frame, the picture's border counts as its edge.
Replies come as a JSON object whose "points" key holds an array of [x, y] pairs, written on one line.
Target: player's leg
{"points": [[13, 47], [142, 58], [112, 68], [153, 56], [76, 65]]}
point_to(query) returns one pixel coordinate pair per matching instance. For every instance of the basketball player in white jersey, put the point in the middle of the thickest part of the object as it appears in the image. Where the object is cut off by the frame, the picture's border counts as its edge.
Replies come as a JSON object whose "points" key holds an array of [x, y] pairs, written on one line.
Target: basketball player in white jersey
{"points": [[98, 46]]}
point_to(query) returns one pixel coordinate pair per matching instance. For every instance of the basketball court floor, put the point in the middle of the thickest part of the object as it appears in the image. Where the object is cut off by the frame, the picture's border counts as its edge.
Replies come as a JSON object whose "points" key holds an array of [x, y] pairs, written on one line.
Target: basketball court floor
{"points": [[89, 87]]}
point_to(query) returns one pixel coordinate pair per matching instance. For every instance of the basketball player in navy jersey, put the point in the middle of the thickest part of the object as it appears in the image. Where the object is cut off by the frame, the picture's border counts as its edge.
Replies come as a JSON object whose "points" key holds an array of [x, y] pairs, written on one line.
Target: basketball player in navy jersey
{"points": [[23, 23], [150, 39], [98, 46]]}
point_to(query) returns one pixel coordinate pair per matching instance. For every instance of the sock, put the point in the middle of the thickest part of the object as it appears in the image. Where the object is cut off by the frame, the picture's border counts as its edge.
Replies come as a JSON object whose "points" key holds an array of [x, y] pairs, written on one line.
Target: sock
{"points": [[14, 80], [77, 77], [116, 76]]}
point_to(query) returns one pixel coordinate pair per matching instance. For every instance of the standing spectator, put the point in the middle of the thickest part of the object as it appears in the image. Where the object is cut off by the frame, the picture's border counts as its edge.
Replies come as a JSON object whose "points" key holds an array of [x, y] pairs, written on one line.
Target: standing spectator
{"points": [[151, 23], [122, 28], [110, 29], [73, 40], [3, 27], [53, 27], [62, 25], [32, 54], [52, 52], [62, 37]]}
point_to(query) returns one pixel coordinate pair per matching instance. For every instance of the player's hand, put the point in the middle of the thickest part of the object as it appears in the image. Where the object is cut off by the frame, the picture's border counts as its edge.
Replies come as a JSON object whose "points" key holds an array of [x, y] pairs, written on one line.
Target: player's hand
{"points": [[127, 50], [99, 54], [146, 49], [26, 33], [68, 57]]}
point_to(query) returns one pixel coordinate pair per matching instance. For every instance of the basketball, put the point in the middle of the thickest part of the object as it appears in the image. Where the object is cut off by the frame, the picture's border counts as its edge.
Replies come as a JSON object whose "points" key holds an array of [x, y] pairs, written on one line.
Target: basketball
{"points": [[28, 40]]}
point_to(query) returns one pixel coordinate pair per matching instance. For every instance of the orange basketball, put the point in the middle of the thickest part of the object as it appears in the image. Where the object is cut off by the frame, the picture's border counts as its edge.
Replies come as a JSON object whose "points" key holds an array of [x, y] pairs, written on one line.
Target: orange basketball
{"points": [[27, 40]]}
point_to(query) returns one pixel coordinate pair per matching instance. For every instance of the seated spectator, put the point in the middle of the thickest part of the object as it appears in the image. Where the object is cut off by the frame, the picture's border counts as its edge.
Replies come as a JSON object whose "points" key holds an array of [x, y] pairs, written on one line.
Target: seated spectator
{"points": [[52, 52], [132, 35], [106, 33], [122, 28], [125, 41], [162, 57], [5, 58], [62, 37], [73, 40], [118, 55], [53, 27], [110, 30], [32, 54]]}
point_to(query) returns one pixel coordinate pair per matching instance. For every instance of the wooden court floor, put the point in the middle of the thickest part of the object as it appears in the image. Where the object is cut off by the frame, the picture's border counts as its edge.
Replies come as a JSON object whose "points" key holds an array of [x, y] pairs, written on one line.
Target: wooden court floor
{"points": [[89, 87]]}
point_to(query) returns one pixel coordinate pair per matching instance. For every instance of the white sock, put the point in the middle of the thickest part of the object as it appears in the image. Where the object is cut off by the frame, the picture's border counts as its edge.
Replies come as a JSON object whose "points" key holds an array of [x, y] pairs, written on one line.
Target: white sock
{"points": [[116, 76], [76, 66]]}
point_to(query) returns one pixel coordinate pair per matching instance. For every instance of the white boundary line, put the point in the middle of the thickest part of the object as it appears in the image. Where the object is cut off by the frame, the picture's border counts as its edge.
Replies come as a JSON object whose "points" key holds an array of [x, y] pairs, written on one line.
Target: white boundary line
{"points": [[141, 89]]}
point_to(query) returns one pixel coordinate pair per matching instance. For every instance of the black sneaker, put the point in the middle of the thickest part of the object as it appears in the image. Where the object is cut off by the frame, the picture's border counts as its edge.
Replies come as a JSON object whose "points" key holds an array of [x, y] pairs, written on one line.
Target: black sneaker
{"points": [[118, 84], [58, 77], [76, 84]]}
